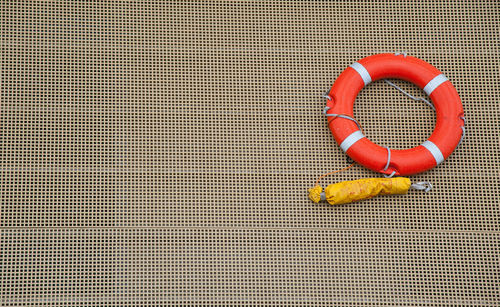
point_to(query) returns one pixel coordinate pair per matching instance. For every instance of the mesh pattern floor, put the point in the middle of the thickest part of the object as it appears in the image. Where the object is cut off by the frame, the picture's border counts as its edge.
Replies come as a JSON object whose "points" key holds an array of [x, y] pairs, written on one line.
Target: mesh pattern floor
{"points": [[159, 153]]}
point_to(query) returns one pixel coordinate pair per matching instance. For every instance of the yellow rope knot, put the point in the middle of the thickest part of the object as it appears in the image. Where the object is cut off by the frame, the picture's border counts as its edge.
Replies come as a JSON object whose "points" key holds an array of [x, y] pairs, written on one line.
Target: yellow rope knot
{"points": [[315, 193]]}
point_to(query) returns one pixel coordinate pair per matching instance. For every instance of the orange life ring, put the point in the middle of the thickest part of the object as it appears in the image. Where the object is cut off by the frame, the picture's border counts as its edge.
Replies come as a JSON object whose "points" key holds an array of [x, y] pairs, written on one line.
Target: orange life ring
{"points": [[450, 119]]}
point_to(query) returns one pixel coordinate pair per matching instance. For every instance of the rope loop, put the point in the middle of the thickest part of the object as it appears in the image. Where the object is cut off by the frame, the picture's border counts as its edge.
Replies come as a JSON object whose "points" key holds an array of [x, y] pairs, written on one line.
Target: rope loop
{"points": [[422, 186], [463, 130], [409, 95], [388, 158], [391, 175], [341, 116], [326, 95]]}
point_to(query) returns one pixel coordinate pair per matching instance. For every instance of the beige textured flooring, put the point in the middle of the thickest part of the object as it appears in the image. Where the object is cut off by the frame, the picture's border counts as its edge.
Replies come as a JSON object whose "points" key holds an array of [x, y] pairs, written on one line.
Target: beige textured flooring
{"points": [[159, 153]]}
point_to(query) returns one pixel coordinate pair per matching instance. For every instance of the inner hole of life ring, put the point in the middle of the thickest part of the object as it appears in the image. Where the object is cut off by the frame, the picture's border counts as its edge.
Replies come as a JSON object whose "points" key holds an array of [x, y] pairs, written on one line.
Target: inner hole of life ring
{"points": [[392, 119]]}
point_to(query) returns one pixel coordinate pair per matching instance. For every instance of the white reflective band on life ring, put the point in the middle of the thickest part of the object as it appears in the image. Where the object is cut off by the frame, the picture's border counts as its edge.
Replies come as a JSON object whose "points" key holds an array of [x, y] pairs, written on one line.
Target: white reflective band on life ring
{"points": [[351, 139], [365, 75], [434, 83], [434, 150]]}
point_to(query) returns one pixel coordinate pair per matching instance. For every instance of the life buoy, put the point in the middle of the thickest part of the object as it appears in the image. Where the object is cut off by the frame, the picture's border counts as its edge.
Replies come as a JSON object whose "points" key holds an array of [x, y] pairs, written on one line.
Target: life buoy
{"points": [[450, 119]]}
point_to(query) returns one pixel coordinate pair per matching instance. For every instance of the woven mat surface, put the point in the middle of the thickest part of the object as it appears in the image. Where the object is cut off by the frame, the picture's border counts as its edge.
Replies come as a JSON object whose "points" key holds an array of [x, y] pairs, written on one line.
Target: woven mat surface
{"points": [[160, 153]]}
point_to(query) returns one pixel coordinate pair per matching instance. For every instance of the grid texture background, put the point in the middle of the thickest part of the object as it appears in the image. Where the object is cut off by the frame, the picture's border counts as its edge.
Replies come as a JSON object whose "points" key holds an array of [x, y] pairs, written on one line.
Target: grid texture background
{"points": [[160, 153]]}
